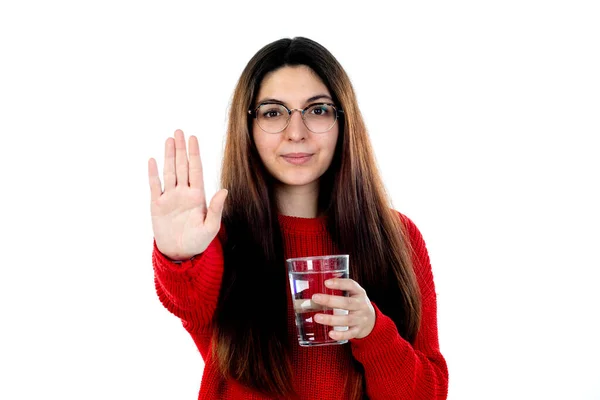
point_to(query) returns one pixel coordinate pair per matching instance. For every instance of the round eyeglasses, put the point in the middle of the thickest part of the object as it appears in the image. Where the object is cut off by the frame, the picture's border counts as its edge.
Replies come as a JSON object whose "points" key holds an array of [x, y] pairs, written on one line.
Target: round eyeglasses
{"points": [[275, 117]]}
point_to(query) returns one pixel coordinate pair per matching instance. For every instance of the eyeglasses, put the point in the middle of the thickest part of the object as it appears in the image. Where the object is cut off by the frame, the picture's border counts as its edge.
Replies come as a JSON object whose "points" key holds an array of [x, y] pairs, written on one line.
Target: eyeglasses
{"points": [[275, 117]]}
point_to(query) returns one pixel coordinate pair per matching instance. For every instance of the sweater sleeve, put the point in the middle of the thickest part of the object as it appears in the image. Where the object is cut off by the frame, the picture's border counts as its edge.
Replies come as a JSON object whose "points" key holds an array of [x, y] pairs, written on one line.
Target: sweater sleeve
{"points": [[190, 289], [395, 368]]}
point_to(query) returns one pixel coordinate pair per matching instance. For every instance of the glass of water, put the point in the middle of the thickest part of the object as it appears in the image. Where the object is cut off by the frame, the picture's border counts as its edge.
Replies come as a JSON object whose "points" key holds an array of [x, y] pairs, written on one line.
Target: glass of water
{"points": [[307, 276]]}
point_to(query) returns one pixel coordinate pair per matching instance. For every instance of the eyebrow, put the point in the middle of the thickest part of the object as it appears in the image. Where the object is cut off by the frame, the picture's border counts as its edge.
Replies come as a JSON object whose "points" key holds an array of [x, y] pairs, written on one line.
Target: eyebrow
{"points": [[309, 100]]}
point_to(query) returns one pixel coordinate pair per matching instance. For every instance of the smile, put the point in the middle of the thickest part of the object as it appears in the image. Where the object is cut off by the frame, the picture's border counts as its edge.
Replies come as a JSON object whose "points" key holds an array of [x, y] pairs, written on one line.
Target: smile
{"points": [[297, 159]]}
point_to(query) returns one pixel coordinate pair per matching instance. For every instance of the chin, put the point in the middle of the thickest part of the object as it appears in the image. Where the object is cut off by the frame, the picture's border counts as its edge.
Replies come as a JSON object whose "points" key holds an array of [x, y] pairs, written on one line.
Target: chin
{"points": [[295, 176], [296, 181]]}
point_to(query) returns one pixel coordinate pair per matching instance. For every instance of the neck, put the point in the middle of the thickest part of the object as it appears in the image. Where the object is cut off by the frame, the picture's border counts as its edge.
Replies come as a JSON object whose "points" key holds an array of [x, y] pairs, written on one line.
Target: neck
{"points": [[298, 201]]}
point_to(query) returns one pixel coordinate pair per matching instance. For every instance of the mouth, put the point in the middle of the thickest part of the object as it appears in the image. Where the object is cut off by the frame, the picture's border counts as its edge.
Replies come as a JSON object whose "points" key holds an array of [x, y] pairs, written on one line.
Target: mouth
{"points": [[297, 158]]}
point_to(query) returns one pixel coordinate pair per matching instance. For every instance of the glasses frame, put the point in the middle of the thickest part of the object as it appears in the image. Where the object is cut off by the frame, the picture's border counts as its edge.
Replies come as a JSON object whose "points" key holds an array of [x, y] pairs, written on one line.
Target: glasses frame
{"points": [[338, 114]]}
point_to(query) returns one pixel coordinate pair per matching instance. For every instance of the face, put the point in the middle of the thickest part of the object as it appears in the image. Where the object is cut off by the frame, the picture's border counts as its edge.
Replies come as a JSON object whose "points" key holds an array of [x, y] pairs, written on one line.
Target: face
{"points": [[295, 157]]}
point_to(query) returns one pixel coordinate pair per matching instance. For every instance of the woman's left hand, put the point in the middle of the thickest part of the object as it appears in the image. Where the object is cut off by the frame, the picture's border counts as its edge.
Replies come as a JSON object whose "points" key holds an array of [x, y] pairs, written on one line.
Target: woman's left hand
{"points": [[360, 319]]}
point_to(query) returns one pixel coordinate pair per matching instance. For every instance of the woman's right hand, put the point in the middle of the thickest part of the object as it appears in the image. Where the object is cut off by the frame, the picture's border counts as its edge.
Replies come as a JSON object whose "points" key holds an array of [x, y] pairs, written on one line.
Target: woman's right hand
{"points": [[183, 226]]}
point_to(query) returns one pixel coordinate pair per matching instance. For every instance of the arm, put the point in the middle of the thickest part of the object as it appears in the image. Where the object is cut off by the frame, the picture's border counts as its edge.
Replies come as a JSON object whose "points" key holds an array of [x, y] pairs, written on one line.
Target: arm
{"points": [[190, 289], [395, 368]]}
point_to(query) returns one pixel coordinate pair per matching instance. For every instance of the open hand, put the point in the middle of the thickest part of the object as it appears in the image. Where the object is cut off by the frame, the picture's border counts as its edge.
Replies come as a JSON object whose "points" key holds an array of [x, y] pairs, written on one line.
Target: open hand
{"points": [[182, 223]]}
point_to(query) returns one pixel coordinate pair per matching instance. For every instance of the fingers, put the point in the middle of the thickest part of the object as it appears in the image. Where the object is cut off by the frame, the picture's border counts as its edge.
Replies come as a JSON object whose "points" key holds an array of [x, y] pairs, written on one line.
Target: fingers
{"points": [[345, 303], [351, 333], [215, 211], [176, 167], [355, 312], [348, 325], [169, 170], [154, 180], [181, 160], [347, 284], [340, 320], [195, 172]]}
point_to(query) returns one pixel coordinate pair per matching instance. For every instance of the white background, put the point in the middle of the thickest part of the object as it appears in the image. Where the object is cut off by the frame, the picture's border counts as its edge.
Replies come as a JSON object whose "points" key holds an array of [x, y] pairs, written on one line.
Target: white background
{"points": [[484, 116]]}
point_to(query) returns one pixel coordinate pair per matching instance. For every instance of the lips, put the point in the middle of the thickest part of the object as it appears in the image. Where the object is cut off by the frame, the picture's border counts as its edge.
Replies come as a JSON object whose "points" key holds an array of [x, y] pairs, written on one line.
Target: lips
{"points": [[297, 158]]}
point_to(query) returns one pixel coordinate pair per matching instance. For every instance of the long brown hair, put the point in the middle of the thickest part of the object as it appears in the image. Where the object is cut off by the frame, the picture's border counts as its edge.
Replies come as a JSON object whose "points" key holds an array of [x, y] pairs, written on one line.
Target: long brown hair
{"points": [[250, 341]]}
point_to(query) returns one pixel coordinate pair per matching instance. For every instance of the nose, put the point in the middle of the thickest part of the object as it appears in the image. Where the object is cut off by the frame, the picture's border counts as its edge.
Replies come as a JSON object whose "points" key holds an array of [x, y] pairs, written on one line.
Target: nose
{"points": [[296, 130]]}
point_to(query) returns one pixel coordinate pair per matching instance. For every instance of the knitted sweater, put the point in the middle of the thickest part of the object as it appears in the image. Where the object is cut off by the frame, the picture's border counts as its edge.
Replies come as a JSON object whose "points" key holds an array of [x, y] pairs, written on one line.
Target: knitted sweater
{"points": [[393, 367]]}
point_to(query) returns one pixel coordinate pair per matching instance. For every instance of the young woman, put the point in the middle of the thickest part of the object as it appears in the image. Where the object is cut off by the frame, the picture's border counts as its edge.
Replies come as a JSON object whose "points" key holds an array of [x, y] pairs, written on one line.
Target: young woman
{"points": [[300, 179]]}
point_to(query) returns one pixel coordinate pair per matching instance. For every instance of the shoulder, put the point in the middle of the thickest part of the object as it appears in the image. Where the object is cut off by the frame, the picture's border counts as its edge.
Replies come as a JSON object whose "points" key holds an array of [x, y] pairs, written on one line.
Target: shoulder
{"points": [[413, 233], [419, 254]]}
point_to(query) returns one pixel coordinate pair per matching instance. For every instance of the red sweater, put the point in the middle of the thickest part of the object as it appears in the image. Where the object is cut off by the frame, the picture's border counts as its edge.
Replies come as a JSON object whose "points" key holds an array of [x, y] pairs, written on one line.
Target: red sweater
{"points": [[393, 367]]}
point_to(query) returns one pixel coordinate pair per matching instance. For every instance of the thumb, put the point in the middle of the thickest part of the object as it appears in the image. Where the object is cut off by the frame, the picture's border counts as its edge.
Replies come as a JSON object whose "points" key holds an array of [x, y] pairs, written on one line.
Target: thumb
{"points": [[215, 210]]}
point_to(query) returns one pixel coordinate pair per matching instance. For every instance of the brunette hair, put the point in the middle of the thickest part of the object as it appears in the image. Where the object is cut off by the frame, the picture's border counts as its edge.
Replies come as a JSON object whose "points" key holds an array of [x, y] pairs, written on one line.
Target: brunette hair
{"points": [[250, 342]]}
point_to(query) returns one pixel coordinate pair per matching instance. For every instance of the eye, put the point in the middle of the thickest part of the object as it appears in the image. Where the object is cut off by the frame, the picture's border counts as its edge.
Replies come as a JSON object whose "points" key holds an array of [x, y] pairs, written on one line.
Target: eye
{"points": [[319, 110], [268, 111], [271, 113]]}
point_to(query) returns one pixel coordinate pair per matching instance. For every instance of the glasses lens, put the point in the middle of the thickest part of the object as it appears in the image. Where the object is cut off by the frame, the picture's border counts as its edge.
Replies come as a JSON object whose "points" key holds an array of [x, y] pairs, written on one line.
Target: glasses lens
{"points": [[272, 117], [320, 118]]}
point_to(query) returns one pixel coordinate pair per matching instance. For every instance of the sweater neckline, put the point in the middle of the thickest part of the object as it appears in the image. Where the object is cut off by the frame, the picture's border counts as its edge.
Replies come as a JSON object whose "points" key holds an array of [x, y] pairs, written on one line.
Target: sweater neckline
{"points": [[290, 223]]}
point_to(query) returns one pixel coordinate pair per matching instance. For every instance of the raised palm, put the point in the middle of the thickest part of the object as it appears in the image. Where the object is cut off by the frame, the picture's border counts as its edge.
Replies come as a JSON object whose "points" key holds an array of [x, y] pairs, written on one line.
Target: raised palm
{"points": [[182, 223]]}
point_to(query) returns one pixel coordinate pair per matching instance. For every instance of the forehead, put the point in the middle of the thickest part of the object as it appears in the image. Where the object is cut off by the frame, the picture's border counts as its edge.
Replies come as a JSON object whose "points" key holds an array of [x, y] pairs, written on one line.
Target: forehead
{"points": [[291, 83]]}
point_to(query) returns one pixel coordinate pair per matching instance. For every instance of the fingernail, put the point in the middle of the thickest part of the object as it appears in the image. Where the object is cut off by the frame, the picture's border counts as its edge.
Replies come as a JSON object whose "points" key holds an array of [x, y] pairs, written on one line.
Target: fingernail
{"points": [[329, 282], [319, 318], [318, 297]]}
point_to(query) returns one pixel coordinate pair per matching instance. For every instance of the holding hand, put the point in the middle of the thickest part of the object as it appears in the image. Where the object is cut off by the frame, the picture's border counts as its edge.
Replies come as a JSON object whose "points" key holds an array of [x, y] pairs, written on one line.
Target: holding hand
{"points": [[361, 314]]}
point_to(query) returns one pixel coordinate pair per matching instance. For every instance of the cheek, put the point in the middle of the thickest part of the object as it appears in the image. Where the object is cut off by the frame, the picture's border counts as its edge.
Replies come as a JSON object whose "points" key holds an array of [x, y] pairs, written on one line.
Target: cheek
{"points": [[266, 147], [332, 143]]}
